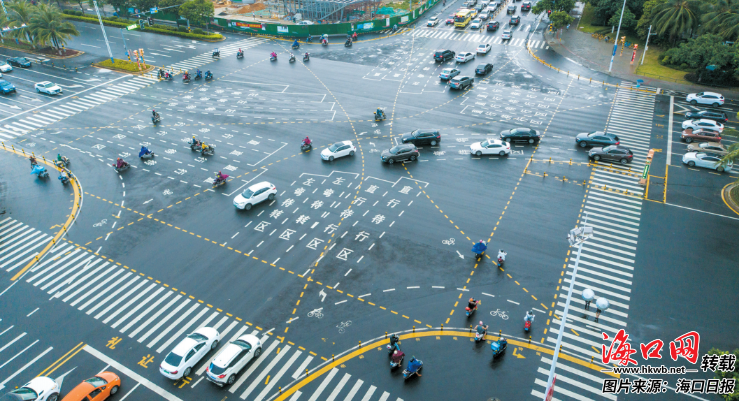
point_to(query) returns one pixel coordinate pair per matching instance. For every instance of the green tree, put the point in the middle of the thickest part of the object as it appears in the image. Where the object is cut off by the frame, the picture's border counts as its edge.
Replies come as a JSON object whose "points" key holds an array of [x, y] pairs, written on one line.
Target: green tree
{"points": [[50, 28], [676, 18], [197, 11], [120, 5], [170, 3], [735, 374], [722, 18], [144, 5], [561, 19], [642, 26], [101, 5], [628, 22], [562, 5], [19, 13], [605, 9]]}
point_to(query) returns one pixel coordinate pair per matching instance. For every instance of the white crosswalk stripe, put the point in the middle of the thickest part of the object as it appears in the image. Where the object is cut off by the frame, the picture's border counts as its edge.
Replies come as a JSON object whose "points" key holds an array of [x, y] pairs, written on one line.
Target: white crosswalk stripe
{"points": [[494, 39], [159, 317], [18, 352], [606, 261]]}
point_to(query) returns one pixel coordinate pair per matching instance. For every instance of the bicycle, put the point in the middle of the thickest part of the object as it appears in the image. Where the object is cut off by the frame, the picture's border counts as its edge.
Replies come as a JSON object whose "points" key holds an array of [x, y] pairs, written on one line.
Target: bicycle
{"points": [[500, 313], [342, 327]]}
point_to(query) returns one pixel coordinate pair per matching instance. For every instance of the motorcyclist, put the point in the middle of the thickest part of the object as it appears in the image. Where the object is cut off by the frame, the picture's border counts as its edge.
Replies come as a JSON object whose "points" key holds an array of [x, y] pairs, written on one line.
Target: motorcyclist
{"points": [[395, 342], [241, 51], [397, 356], [161, 73], [203, 147], [220, 177], [395, 27], [195, 141], [413, 366], [472, 304], [295, 43], [501, 256], [273, 55], [63, 175], [529, 317], [309, 39], [186, 75], [33, 161], [208, 74], [59, 158], [354, 36], [306, 55], [292, 57], [144, 151], [216, 52], [306, 142], [198, 74], [119, 163], [349, 40], [154, 114], [380, 112], [481, 329]]}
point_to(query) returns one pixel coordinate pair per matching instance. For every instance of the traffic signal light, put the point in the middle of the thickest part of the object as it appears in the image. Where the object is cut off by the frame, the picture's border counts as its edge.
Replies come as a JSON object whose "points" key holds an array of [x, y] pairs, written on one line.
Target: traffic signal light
{"points": [[151, 21]]}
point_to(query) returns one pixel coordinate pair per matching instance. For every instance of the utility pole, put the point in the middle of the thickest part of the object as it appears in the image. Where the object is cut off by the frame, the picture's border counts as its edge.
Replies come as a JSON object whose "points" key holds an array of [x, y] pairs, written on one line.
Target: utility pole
{"points": [[97, 11], [615, 42], [646, 45]]}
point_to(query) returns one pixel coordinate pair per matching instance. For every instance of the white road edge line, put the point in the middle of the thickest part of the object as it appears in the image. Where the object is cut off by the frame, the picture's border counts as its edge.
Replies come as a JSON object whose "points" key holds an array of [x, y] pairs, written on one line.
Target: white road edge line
{"points": [[669, 131]]}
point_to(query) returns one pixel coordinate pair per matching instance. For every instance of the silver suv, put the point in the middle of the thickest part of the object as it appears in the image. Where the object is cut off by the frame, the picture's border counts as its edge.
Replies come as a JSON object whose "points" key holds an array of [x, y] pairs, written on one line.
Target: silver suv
{"points": [[232, 358]]}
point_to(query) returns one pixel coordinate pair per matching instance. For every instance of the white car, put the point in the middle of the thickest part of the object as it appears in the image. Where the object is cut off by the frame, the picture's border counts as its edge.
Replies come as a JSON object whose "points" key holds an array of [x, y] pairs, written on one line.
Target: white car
{"points": [[255, 194], [490, 147], [484, 16], [712, 98], [5, 67], [305, 22], [189, 352], [465, 57], [433, 21], [38, 389], [706, 161], [476, 23], [48, 88], [232, 358], [484, 48], [338, 149], [506, 35], [703, 124]]}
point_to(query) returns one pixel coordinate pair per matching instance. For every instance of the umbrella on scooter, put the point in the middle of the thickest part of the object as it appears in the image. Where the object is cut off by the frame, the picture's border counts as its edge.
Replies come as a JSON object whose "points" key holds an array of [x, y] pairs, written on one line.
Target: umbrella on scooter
{"points": [[479, 248]]}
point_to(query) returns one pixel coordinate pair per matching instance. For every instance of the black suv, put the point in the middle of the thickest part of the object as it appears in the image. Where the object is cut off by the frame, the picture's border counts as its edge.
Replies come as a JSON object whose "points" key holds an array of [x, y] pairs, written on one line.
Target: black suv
{"points": [[493, 25], [444, 55], [515, 20], [526, 6], [708, 115], [484, 69], [400, 153], [520, 135], [598, 138], [422, 137], [511, 9], [618, 153]]}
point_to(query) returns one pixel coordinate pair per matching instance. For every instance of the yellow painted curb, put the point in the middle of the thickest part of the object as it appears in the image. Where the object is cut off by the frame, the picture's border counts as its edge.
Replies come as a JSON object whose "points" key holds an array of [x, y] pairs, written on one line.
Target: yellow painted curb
{"points": [[67, 224], [728, 204]]}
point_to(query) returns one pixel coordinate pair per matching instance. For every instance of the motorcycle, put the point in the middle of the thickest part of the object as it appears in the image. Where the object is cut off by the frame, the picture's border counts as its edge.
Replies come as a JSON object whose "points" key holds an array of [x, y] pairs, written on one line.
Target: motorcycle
{"points": [[306, 57], [498, 347], [480, 336], [208, 150], [239, 55], [292, 59], [501, 258], [64, 163], [380, 117], [194, 144], [527, 326], [156, 120], [186, 79], [217, 54], [479, 250], [40, 171], [124, 167], [394, 344], [220, 181], [208, 77], [324, 43], [64, 179], [304, 146], [469, 310], [198, 75], [273, 58], [412, 368], [348, 43], [296, 47], [167, 76], [146, 155], [397, 361]]}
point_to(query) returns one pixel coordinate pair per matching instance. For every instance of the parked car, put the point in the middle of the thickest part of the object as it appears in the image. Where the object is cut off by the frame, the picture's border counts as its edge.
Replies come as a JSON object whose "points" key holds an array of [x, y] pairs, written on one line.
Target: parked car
{"points": [[48, 88], [41, 388], [337, 150], [615, 153], [597, 138], [520, 135], [232, 358], [255, 194], [526, 6], [704, 160], [507, 35], [484, 48], [97, 388], [714, 148], [5, 67], [433, 21], [422, 137], [476, 23], [185, 355], [703, 124], [718, 116], [400, 153], [465, 57], [448, 73], [712, 98], [484, 69], [461, 82], [443, 55], [515, 20], [6, 87], [490, 147], [700, 135], [19, 62]]}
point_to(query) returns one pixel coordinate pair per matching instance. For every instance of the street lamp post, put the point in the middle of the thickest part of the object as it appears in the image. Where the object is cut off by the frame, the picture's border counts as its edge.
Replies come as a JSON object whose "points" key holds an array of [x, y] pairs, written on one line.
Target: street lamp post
{"points": [[102, 27], [577, 236], [646, 45], [615, 41]]}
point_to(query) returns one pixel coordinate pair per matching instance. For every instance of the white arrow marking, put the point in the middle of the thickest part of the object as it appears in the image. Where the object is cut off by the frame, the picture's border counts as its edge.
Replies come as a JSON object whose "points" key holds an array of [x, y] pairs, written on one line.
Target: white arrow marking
{"points": [[460, 255], [322, 295], [149, 201]]}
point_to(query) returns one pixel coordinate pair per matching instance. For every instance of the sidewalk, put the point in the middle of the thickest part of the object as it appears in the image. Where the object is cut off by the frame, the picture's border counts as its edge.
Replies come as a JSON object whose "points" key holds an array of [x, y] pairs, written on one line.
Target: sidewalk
{"points": [[596, 55]]}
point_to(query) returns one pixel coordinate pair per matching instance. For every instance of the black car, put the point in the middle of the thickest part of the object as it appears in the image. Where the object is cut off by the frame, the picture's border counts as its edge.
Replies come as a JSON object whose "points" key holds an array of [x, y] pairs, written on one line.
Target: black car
{"points": [[400, 153], [461, 82], [521, 135], [422, 137], [444, 55], [597, 138], [484, 69], [19, 62], [515, 20], [493, 25], [616, 153], [526, 6], [511, 9], [708, 115]]}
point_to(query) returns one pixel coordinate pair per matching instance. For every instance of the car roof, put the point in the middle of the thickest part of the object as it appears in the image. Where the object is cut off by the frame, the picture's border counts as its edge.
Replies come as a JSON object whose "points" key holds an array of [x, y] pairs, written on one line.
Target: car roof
{"points": [[79, 392], [43, 83], [707, 120], [345, 142], [711, 93], [259, 185], [184, 346]]}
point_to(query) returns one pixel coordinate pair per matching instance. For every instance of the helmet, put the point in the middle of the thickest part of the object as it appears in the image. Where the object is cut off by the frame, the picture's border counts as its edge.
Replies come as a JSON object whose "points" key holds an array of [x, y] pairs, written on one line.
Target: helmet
{"points": [[119, 158], [480, 323], [481, 241], [472, 300]]}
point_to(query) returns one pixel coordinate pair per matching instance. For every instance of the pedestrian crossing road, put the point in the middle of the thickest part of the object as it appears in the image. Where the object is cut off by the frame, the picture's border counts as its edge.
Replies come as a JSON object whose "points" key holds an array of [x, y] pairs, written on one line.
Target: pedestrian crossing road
{"points": [[606, 261], [494, 39]]}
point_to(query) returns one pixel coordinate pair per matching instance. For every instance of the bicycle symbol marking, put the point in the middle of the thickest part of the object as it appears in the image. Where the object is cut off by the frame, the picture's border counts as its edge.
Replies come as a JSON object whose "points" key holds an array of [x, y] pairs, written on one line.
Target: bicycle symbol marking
{"points": [[102, 222], [449, 241], [342, 327], [316, 313], [500, 313]]}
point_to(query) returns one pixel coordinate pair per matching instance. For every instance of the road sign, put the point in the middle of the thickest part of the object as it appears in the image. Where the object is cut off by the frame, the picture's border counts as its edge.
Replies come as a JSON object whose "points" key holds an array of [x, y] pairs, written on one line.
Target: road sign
{"points": [[131, 27], [154, 10]]}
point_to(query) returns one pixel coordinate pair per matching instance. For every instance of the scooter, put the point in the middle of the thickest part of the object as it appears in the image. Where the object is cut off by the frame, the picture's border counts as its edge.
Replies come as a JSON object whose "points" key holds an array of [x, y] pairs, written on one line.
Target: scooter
{"points": [[407, 373], [217, 54], [198, 75], [480, 336], [194, 144], [306, 57], [498, 347], [324, 43], [380, 117], [304, 147], [208, 151], [40, 171], [272, 58], [156, 120], [471, 311], [123, 168], [186, 79], [394, 365], [394, 344], [295, 47], [167, 76], [348, 43], [208, 77], [527, 326], [147, 155], [239, 55], [292, 59], [64, 179]]}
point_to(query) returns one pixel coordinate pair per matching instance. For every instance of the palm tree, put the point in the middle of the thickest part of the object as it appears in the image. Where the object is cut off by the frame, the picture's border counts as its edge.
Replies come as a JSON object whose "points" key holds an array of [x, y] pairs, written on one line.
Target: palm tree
{"points": [[677, 17], [19, 13], [722, 19], [49, 28]]}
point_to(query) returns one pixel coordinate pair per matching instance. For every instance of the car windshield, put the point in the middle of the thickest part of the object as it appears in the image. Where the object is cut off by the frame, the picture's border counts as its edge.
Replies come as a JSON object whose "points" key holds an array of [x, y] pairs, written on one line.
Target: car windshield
{"points": [[96, 381], [216, 370], [485, 143], [447, 71], [23, 60], [609, 148], [335, 146], [197, 337], [394, 150], [248, 193], [26, 393], [243, 344], [47, 85], [172, 359]]}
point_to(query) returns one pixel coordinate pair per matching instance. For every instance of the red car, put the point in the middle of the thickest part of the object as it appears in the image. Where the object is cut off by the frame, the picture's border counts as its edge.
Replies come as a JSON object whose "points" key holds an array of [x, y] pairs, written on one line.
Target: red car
{"points": [[450, 20]]}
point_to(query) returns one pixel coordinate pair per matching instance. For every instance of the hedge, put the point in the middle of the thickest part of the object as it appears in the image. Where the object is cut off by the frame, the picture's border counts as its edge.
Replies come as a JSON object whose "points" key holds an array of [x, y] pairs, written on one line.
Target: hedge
{"points": [[114, 21], [124, 65]]}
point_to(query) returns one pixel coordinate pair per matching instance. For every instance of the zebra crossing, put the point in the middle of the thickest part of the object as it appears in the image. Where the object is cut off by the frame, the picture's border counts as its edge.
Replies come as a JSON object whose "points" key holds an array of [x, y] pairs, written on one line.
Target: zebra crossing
{"points": [[74, 106], [18, 353], [157, 317], [476, 38], [205, 58], [606, 261]]}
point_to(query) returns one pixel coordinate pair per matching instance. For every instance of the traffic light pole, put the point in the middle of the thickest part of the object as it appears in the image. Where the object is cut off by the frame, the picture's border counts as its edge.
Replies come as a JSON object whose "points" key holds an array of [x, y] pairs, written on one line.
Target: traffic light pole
{"points": [[102, 27], [615, 42]]}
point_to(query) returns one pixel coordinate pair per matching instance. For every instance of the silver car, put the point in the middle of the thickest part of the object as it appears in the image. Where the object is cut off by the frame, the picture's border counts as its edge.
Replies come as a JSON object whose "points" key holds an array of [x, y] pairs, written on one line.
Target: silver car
{"points": [[705, 160], [232, 358]]}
